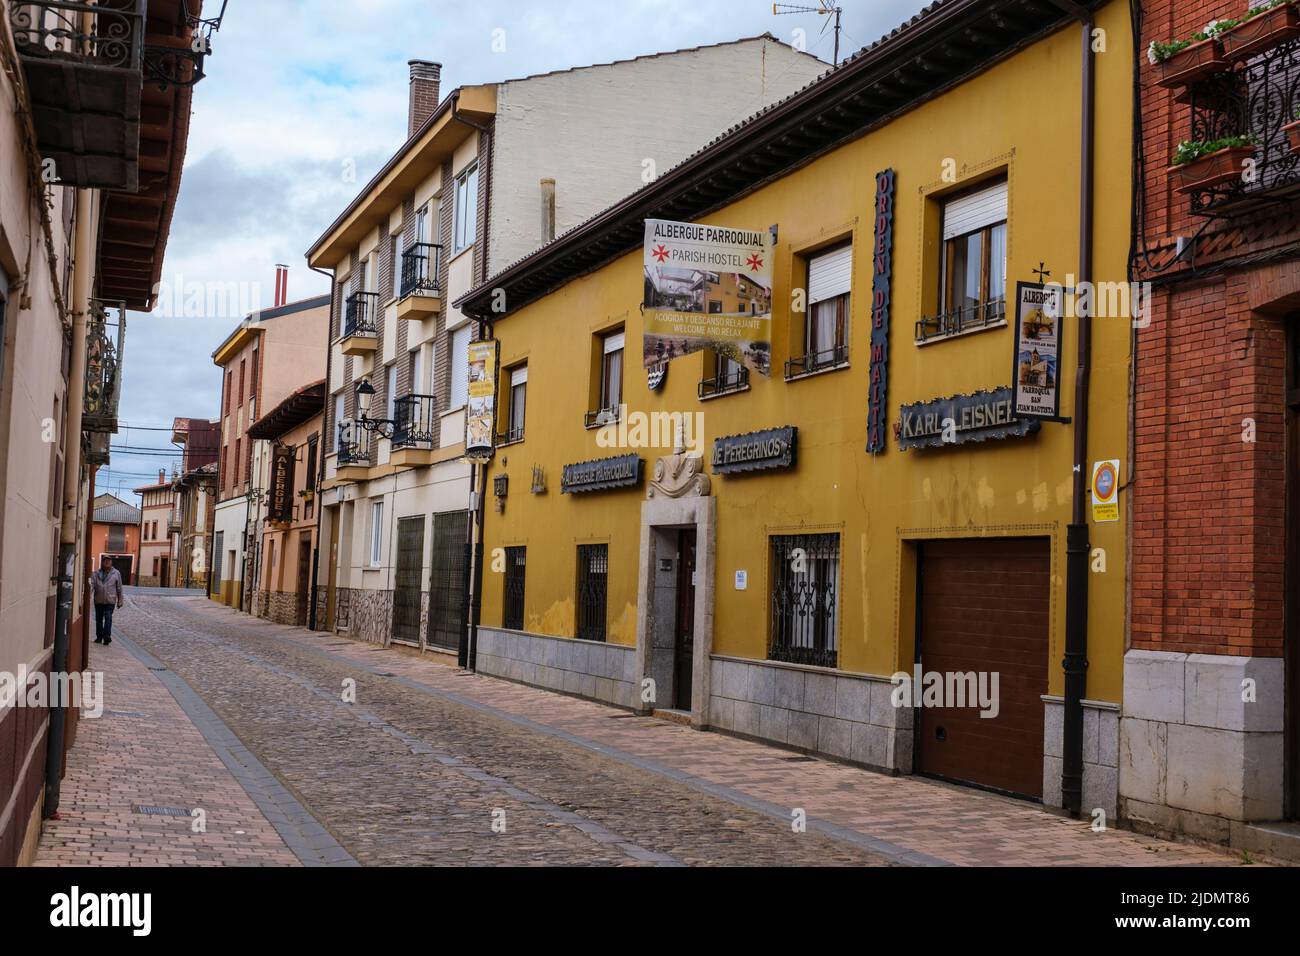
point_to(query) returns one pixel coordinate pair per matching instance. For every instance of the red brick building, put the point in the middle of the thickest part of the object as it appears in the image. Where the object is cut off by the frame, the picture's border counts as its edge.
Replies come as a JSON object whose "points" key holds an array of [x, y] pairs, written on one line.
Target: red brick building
{"points": [[1209, 735]]}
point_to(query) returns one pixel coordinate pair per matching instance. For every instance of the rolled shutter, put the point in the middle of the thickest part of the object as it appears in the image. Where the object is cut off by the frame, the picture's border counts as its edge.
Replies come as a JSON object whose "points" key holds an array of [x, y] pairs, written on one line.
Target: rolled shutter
{"points": [[969, 213], [830, 274]]}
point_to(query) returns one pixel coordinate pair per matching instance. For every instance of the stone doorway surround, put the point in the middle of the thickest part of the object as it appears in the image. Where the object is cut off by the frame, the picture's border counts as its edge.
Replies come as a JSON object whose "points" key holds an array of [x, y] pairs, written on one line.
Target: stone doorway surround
{"points": [[677, 497]]}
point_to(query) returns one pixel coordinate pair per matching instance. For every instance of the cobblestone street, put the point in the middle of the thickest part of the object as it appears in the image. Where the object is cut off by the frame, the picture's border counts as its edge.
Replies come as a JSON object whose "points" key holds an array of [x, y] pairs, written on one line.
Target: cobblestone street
{"points": [[433, 766]]}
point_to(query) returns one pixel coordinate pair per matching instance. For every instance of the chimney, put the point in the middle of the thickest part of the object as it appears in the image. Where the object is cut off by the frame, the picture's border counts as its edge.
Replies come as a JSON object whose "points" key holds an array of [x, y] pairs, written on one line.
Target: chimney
{"points": [[426, 78], [548, 210], [162, 476], [281, 285]]}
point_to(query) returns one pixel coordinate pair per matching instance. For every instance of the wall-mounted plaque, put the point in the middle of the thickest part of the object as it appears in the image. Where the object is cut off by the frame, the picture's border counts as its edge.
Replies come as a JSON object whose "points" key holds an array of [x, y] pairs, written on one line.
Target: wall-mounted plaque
{"points": [[604, 474], [983, 416], [757, 451]]}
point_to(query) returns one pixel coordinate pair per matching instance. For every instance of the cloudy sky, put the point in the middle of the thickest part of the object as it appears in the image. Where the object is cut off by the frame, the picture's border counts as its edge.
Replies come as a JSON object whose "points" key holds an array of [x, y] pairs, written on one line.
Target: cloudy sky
{"points": [[298, 91]]}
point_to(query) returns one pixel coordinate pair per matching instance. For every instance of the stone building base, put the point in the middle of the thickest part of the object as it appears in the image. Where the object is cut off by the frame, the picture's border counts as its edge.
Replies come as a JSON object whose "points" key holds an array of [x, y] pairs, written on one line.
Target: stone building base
{"points": [[603, 672], [1100, 756], [843, 715], [1201, 743]]}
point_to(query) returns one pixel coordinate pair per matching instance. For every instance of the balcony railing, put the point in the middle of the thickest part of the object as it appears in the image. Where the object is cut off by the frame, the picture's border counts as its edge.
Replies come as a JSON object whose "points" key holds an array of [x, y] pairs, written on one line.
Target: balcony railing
{"points": [[956, 321], [361, 316], [84, 68], [354, 445], [414, 420], [735, 379], [817, 361], [105, 338], [601, 417], [173, 521], [421, 265], [108, 34], [1259, 96]]}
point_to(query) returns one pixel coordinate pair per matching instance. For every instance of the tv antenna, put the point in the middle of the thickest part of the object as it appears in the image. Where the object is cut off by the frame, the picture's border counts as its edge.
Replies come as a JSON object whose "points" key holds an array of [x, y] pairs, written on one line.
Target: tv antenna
{"points": [[826, 8]]}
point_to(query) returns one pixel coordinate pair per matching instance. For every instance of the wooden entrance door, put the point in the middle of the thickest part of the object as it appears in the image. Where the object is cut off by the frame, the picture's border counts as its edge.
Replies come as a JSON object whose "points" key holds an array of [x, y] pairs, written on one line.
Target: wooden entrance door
{"points": [[684, 646], [984, 607], [305, 596], [336, 516]]}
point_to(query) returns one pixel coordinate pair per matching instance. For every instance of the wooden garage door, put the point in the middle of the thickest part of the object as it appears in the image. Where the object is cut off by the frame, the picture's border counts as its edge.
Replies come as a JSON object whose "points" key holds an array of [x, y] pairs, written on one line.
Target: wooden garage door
{"points": [[985, 607]]}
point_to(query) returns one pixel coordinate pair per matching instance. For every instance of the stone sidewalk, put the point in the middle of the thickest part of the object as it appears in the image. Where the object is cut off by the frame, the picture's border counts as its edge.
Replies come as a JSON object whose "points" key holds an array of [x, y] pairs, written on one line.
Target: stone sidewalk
{"points": [[923, 818], [157, 747]]}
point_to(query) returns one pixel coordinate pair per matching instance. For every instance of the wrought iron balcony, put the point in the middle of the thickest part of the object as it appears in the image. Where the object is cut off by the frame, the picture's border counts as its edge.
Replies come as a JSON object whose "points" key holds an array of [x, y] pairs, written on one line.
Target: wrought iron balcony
{"points": [[957, 321], [1261, 96], [105, 338], [354, 445], [83, 64], [601, 417], [735, 379], [361, 317], [414, 421], [817, 361], [173, 521], [421, 265]]}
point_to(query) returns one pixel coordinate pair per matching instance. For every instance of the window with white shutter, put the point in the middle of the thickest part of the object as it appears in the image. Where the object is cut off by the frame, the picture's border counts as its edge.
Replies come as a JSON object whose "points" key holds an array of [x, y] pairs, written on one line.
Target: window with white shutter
{"points": [[826, 320], [973, 268], [459, 359]]}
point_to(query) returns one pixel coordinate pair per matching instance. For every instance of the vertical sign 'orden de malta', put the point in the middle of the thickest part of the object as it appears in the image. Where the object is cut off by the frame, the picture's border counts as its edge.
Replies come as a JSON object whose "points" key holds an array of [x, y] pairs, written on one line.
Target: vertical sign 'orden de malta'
{"points": [[882, 258], [707, 287]]}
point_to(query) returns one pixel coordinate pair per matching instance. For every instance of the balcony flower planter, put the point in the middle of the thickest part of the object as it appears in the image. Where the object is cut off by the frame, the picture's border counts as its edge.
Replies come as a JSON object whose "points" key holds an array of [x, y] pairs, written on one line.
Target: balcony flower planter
{"points": [[1292, 131], [1191, 64], [1216, 169], [1261, 33]]}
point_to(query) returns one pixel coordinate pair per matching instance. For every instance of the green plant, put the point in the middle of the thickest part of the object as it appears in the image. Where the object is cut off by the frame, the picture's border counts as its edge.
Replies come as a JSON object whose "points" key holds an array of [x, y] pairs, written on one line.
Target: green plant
{"points": [[1189, 151], [1159, 52]]}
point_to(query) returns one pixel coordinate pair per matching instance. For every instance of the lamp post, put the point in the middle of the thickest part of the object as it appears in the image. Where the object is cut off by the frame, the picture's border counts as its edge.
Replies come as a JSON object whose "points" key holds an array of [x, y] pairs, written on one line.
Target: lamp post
{"points": [[380, 426]]}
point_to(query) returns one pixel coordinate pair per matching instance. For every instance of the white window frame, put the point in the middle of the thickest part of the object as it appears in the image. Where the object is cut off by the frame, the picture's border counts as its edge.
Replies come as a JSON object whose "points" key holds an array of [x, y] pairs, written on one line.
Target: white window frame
{"points": [[340, 411], [390, 392], [465, 224], [376, 534]]}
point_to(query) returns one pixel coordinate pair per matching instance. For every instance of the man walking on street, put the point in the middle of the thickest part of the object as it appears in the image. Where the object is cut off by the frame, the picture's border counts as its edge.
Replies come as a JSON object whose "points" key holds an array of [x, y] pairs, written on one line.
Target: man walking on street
{"points": [[106, 592]]}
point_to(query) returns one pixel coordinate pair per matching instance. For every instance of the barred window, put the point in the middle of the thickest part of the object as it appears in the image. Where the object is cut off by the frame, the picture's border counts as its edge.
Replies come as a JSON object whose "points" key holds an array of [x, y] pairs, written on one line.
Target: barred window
{"points": [[593, 578], [512, 615], [805, 599]]}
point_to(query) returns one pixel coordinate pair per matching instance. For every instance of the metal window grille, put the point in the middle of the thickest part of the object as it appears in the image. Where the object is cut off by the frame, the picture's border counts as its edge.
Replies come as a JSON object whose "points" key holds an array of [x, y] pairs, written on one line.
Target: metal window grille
{"points": [[593, 583], [805, 599], [447, 590], [409, 580], [512, 615]]}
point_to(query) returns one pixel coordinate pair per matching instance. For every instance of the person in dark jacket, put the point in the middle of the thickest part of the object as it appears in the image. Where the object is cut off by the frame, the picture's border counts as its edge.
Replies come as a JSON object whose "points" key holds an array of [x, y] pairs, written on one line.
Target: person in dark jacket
{"points": [[106, 592]]}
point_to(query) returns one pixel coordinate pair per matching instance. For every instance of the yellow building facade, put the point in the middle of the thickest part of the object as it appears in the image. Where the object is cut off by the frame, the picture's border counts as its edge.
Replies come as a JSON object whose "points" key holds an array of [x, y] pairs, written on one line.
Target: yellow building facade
{"points": [[770, 576]]}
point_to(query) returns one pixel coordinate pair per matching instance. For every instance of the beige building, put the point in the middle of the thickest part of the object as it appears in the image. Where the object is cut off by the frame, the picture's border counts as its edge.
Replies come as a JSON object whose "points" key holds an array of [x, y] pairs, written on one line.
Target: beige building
{"points": [[487, 174], [292, 431], [157, 507], [271, 355], [87, 190]]}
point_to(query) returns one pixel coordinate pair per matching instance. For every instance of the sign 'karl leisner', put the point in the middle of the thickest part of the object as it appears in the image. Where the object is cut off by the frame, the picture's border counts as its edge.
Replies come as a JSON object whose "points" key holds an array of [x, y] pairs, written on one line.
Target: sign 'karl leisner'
{"points": [[960, 419]]}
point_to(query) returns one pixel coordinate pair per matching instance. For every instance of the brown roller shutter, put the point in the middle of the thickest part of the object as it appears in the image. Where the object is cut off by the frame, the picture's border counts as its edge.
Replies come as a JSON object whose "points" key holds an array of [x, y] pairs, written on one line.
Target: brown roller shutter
{"points": [[985, 606]]}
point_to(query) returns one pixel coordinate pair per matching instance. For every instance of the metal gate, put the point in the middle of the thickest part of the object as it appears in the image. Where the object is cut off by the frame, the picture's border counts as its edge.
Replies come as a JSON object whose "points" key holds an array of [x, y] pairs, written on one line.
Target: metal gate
{"points": [[447, 619], [409, 580]]}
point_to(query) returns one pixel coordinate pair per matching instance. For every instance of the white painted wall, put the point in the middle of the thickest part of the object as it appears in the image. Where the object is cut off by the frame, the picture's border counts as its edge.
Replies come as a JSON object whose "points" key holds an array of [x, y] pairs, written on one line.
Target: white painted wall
{"points": [[591, 129]]}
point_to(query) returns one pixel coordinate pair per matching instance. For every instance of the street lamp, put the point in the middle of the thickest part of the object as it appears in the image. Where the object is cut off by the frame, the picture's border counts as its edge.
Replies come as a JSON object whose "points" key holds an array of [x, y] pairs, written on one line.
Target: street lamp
{"points": [[381, 426]]}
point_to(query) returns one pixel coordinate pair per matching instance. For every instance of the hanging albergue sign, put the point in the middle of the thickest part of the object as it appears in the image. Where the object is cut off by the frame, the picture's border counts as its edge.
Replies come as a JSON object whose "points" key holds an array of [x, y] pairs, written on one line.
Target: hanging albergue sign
{"points": [[707, 287], [1036, 377], [280, 505], [480, 414]]}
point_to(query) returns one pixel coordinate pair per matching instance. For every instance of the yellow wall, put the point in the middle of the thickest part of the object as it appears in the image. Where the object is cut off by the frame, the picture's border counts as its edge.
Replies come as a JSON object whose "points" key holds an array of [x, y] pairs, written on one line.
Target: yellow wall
{"points": [[1021, 116]]}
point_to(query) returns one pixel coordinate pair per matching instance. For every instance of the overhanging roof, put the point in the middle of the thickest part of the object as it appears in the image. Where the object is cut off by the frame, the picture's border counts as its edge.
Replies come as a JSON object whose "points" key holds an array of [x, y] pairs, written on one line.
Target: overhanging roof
{"points": [[301, 406], [135, 225], [945, 44], [419, 158]]}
